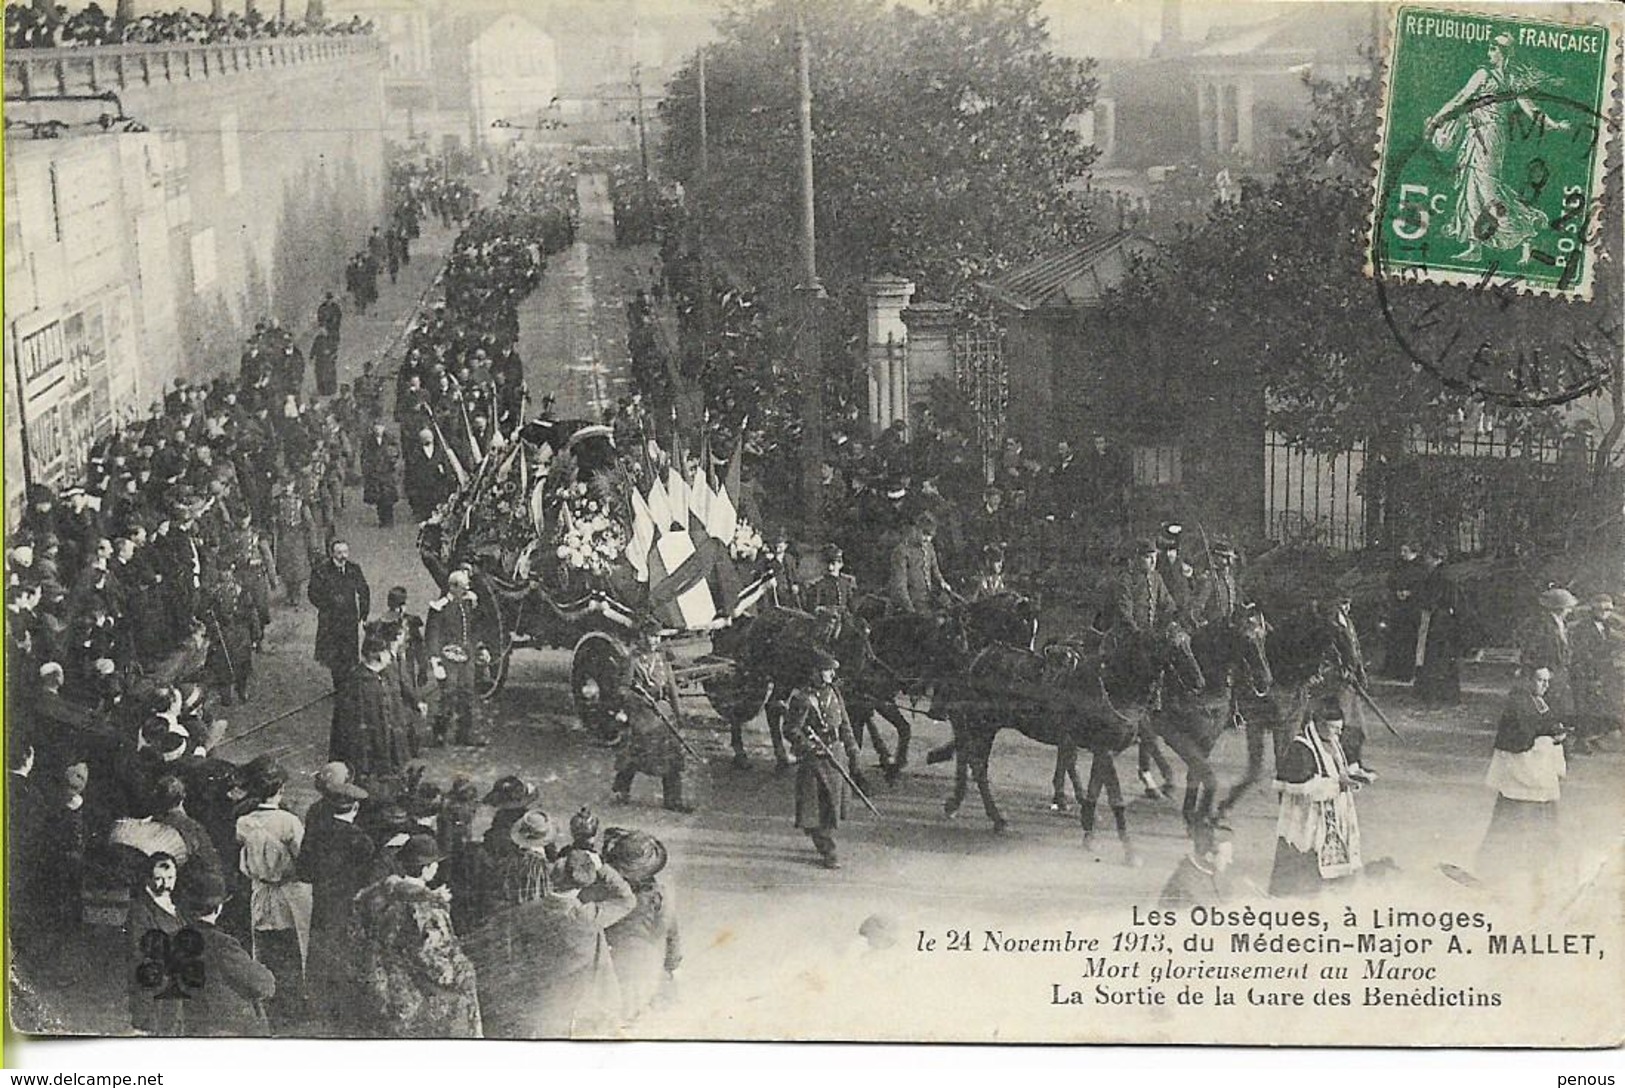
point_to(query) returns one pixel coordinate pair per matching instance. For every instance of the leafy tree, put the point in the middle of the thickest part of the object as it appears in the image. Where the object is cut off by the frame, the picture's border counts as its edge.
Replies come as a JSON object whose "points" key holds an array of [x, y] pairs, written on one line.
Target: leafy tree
{"points": [[941, 146]]}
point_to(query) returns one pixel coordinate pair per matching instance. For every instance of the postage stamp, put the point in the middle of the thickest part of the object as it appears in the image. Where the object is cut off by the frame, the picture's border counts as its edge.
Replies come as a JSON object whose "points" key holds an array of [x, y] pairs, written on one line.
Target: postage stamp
{"points": [[1491, 153]]}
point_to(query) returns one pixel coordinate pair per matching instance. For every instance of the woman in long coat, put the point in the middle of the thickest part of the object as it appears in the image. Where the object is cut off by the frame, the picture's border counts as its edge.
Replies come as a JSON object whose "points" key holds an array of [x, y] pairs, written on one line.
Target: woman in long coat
{"points": [[1523, 845], [412, 976], [295, 539], [545, 966]]}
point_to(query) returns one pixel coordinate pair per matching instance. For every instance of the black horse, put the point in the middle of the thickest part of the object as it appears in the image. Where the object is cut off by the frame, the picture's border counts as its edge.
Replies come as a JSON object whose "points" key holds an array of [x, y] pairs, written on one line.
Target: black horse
{"points": [[1305, 650], [1234, 657], [1089, 695], [916, 653]]}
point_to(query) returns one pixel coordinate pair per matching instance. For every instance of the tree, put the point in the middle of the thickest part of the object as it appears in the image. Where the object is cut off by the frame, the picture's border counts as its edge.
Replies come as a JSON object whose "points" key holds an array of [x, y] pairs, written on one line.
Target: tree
{"points": [[942, 149], [1269, 294]]}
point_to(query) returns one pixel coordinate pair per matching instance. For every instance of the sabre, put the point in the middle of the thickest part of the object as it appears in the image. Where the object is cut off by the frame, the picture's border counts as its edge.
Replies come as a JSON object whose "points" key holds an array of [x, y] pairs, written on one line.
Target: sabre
{"points": [[1375, 709], [823, 750]]}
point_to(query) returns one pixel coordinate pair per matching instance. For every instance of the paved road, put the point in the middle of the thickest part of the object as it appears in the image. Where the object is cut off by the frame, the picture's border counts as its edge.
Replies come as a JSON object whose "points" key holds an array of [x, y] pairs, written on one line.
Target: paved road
{"points": [[755, 907]]}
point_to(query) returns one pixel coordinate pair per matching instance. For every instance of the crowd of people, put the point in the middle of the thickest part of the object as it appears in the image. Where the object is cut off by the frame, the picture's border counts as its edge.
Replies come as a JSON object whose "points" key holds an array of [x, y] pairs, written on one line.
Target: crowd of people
{"points": [[29, 26]]}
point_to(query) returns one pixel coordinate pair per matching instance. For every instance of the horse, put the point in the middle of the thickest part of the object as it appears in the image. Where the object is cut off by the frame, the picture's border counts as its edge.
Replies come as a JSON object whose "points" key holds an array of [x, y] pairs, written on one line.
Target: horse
{"points": [[915, 651], [1234, 658], [1069, 695], [772, 651], [1303, 650]]}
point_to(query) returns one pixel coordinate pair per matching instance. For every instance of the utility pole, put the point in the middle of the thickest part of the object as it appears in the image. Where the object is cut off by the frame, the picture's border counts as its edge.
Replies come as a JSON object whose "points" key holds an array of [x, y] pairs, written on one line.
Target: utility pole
{"points": [[811, 292], [637, 88]]}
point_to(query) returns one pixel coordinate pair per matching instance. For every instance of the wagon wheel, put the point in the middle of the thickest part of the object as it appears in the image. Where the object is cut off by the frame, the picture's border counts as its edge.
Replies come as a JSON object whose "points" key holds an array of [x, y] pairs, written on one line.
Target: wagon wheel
{"points": [[495, 631], [595, 674]]}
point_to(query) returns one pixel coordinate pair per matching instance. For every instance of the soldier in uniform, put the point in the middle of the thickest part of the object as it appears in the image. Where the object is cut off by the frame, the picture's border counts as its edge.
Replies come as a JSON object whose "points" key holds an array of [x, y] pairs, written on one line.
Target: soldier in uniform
{"points": [[836, 589], [917, 584], [817, 727], [651, 746], [456, 657], [1141, 601], [1218, 597], [1172, 568]]}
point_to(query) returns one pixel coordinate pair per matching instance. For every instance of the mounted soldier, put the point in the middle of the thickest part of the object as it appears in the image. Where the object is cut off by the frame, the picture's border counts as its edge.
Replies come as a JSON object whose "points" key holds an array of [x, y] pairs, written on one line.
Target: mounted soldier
{"points": [[917, 584], [456, 658], [836, 589]]}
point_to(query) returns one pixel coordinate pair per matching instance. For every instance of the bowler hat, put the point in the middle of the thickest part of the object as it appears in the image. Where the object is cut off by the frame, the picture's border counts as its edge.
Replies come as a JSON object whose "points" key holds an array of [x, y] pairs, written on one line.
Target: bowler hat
{"points": [[532, 831], [510, 791], [1558, 597], [637, 856], [418, 851], [333, 780]]}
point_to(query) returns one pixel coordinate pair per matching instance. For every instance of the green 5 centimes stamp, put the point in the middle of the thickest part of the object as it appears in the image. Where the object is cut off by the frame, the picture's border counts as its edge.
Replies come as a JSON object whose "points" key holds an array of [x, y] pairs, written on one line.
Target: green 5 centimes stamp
{"points": [[1491, 153]]}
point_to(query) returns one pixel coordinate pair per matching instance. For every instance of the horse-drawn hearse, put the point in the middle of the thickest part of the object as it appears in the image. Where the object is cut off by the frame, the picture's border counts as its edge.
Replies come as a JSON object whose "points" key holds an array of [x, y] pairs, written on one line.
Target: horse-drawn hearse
{"points": [[572, 541]]}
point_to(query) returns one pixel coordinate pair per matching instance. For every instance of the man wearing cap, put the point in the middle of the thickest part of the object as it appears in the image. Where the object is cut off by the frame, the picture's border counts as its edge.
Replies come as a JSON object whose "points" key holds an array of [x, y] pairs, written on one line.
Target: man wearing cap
{"points": [[231, 1002], [334, 860], [1141, 601], [651, 748], [817, 727], [1599, 670], [343, 599], [917, 584], [836, 589], [457, 656], [412, 978], [1172, 569], [1218, 595], [1543, 643], [1318, 831]]}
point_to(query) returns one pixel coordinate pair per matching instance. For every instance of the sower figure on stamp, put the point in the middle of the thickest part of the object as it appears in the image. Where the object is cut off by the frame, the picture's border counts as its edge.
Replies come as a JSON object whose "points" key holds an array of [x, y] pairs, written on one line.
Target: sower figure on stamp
{"points": [[456, 655], [817, 727], [652, 745]]}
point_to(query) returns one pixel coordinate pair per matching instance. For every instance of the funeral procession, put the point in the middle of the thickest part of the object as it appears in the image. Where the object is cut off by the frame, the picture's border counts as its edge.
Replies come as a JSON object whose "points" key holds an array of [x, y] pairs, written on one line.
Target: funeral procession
{"points": [[813, 519]]}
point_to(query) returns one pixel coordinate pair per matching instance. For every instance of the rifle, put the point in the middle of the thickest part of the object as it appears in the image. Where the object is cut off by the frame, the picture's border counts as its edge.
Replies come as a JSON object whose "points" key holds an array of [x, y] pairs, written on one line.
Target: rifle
{"points": [[672, 729], [1375, 709], [823, 749]]}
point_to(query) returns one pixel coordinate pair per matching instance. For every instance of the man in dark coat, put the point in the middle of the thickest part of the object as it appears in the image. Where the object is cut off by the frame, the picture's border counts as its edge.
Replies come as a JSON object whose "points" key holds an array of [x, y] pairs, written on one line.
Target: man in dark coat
{"points": [[330, 316], [1171, 567], [342, 598], [335, 860], [1141, 600], [836, 589], [429, 479], [1404, 613], [324, 357], [366, 733], [380, 461], [150, 932], [816, 724], [235, 987], [1439, 635]]}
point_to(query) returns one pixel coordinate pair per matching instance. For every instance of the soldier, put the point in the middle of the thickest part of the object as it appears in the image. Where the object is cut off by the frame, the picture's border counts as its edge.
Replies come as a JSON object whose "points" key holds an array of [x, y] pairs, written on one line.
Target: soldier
{"points": [[817, 727], [836, 589], [652, 746], [1218, 596], [1141, 601], [917, 584], [1172, 568], [455, 658]]}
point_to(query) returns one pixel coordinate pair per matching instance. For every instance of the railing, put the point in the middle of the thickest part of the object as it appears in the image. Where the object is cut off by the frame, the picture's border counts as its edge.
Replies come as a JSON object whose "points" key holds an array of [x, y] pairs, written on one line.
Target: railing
{"points": [[121, 68]]}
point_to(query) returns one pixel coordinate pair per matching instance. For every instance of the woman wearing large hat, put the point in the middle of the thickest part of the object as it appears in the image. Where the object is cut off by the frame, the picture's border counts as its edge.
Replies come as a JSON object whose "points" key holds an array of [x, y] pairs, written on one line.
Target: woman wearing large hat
{"points": [[544, 965], [1543, 643], [646, 943]]}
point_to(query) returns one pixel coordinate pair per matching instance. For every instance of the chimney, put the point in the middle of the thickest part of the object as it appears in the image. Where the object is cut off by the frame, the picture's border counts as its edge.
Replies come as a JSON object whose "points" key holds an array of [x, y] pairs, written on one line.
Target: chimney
{"points": [[1173, 27]]}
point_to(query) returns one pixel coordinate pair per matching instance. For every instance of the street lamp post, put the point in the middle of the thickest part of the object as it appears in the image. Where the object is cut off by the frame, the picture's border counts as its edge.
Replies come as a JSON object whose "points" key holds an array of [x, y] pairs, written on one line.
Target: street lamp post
{"points": [[811, 293]]}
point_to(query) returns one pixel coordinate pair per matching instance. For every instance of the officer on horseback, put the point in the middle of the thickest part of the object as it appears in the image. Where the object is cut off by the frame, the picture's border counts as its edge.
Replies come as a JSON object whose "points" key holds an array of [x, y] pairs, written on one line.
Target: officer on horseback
{"points": [[917, 584], [1142, 605], [1218, 598], [836, 589], [652, 745]]}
